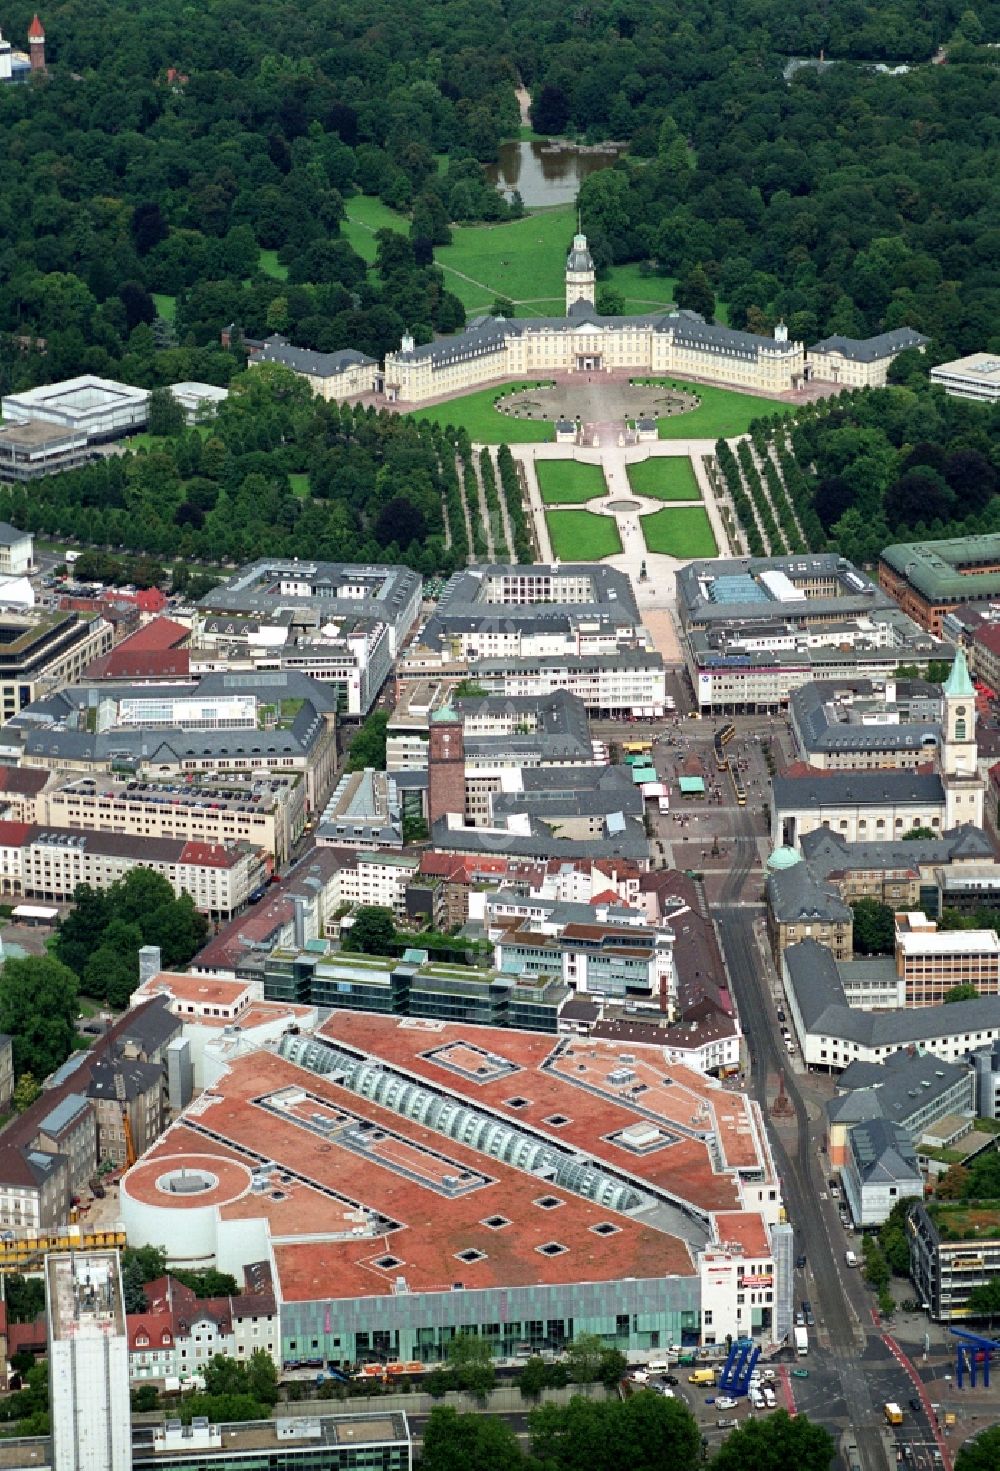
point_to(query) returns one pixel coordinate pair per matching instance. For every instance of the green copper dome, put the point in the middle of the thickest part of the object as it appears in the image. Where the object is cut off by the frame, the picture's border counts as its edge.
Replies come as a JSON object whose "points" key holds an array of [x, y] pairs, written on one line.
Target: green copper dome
{"points": [[783, 858]]}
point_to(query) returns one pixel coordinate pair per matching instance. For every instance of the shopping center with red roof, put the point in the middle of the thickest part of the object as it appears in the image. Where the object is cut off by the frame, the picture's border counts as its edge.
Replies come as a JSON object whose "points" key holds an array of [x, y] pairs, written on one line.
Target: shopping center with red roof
{"points": [[409, 1179]]}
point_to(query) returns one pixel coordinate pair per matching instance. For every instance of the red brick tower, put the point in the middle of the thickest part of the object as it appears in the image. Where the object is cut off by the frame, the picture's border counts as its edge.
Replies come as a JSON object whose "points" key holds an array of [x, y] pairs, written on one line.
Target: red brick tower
{"points": [[36, 46], [445, 765]]}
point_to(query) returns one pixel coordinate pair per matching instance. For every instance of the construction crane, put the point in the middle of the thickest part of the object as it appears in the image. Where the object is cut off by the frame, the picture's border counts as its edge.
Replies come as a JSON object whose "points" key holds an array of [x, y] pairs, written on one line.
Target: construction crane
{"points": [[130, 1154]]}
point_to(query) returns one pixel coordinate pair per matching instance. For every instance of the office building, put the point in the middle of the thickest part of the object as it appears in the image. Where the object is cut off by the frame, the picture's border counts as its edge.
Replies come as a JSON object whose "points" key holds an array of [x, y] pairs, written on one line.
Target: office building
{"points": [[827, 1009], [931, 962], [859, 724], [267, 811], [801, 906], [755, 629], [16, 551], [88, 1362], [282, 724], [911, 1088], [880, 1169], [976, 377], [904, 875], [954, 1248], [40, 653], [32, 448], [46, 864], [375, 1441]]}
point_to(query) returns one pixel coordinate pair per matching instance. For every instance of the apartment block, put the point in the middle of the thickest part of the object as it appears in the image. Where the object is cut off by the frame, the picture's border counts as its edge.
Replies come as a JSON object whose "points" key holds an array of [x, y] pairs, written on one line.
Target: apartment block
{"points": [[931, 962]]}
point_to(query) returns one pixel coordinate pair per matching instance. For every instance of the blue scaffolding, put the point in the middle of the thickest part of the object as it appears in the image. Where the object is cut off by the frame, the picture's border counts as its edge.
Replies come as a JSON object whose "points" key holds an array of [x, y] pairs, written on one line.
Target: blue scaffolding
{"points": [[740, 1363], [972, 1353]]}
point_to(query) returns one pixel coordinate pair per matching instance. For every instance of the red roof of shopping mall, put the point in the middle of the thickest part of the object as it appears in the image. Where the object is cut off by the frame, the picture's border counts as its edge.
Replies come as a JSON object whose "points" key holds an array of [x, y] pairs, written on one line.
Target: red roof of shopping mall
{"points": [[434, 1195]]}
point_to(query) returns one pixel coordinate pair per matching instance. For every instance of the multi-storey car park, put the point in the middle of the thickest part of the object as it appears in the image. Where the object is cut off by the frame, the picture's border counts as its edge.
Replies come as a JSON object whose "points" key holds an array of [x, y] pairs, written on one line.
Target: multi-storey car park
{"points": [[408, 1180]]}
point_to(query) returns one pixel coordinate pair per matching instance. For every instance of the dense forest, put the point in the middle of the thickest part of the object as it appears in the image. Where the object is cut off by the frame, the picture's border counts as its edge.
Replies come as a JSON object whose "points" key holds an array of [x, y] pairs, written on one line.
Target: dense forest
{"points": [[170, 145]]}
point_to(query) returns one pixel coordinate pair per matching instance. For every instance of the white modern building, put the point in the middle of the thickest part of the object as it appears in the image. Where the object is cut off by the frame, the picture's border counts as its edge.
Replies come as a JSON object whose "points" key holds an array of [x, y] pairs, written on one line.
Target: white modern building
{"points": [[105, 409], [88, 1362], [16, 550], [199, 401], [976, 376]]}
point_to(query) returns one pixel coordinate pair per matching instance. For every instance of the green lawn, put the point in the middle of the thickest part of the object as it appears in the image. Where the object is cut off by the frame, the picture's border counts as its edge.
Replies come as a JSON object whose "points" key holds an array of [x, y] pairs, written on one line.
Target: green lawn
{"points": [[666, 479], [582, 536], [564, 482], [300, 486], [166, 306], [365, 215], [680, 531], [475, 413], [524, 260], [721, 413], [271, 266]]}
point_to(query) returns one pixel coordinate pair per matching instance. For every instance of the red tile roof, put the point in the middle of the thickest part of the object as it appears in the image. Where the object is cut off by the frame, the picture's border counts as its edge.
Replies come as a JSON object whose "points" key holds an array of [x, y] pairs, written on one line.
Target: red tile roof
{"points": [[266, 1106], [24, 781], [14, 834], [35, 29], [152, 650]]}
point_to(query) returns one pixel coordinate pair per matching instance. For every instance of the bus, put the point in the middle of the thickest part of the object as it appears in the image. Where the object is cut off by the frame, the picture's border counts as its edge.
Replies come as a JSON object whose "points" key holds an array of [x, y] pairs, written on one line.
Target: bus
{"points": [[726, 734], [637, 748], [738, 787]]}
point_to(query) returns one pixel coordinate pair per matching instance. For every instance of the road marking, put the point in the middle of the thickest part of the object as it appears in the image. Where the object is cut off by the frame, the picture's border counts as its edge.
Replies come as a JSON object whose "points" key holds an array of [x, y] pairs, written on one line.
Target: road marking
{"points": [[786, 1389]]}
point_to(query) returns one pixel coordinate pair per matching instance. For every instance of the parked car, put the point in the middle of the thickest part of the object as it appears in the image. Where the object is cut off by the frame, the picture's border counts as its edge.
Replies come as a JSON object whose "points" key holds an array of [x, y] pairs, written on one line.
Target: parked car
{"points": [[800, 1373], [724, 1402], [800, 1319], [670, 1379], [800, 1262], [915, 1405]]}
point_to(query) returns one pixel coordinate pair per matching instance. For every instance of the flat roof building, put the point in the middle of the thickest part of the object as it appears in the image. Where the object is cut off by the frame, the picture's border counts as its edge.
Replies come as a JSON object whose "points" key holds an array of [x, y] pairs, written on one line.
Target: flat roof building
{"points": [[374, 1441], [88, 1362], [976, 377], [409, 1178], [97, 407]]}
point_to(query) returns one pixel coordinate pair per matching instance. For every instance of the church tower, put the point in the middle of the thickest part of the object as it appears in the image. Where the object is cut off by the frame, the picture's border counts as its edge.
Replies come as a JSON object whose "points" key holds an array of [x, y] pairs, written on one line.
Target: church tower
{"points": [[964, 788], [581, 277], [36, 46]]}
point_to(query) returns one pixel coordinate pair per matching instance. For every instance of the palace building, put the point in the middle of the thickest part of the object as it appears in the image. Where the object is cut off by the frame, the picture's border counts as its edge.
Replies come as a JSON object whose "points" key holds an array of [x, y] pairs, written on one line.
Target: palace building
{"points": [[666, 341]]}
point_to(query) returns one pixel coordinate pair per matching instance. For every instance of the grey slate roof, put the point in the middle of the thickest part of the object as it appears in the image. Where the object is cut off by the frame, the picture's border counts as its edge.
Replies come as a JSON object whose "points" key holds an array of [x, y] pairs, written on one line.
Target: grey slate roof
{"points": [[824, 725], [815, 978], [489, 335], [898, 1089], [57, 725], [796, 895], [10, 536], [872, 349], [629, 841], [883, 1152], [561, 725], [827, 852], [278, 349], [466, 606], [856, 789]]}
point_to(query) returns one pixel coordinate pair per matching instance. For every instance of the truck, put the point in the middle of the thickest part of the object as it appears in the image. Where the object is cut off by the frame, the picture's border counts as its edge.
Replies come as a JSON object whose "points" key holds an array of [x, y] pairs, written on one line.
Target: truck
{"points": [[893, 1414], [801, 1341], [702, 1376], [664, 804], [851, 1258]]}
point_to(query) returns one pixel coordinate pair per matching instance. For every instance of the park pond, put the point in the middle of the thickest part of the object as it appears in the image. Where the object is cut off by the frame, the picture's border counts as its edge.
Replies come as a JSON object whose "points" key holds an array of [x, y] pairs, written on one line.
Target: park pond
{"points": [[548, 173]]}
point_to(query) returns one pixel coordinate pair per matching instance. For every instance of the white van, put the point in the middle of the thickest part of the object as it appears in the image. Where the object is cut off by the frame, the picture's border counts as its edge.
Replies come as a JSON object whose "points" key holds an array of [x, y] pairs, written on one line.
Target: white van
{"points": [[658, 1366]]}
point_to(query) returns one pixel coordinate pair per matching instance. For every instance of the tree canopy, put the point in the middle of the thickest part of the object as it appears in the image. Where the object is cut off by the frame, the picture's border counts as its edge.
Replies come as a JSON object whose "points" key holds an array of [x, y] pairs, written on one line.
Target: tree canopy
{"points": [[101, 936], [874, 927], [38, 1009], [981, 1452]]}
